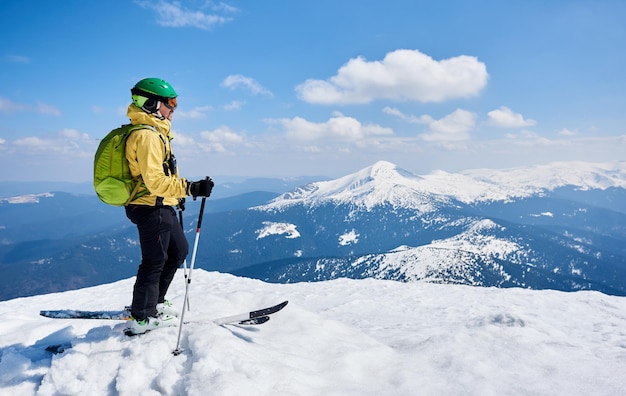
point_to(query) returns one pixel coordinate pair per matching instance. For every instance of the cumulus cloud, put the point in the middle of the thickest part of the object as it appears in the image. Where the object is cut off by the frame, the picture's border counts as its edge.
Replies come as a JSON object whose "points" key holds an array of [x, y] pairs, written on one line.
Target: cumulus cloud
{"points": [[339, 127], [453, 127], [217, 139], [236, 81], [173, 14], [183, 140], [506, 118], [67, 141], [403, 75]]}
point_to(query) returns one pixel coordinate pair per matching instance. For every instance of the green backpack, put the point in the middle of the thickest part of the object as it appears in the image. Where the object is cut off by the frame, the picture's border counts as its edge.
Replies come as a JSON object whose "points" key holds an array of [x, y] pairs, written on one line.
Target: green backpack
{"points": [[111, 173]]}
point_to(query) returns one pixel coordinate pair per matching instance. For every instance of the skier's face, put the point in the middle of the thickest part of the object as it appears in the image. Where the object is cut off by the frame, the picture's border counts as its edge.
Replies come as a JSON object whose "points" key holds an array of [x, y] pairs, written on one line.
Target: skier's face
{"points": [[166, 111]]}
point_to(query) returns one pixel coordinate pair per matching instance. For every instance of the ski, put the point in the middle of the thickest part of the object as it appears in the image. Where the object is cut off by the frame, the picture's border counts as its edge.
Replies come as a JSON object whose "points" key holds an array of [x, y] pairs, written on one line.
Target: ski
{"points": [[256, 317], [78, 314], [249, 317]]}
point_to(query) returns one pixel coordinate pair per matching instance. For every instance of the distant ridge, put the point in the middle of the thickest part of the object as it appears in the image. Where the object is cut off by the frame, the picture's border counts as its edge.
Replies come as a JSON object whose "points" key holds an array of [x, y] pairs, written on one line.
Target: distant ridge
{"points": [[385, 183]]}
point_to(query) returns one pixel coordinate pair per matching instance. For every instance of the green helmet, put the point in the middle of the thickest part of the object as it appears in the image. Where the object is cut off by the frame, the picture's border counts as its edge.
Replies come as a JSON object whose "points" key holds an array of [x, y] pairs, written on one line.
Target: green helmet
{"points": [[155, 89]]}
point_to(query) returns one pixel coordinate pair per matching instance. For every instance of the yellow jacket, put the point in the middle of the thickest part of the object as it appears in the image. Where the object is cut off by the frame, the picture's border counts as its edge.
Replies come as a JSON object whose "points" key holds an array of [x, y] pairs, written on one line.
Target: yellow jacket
{"points": [[147, 151]]}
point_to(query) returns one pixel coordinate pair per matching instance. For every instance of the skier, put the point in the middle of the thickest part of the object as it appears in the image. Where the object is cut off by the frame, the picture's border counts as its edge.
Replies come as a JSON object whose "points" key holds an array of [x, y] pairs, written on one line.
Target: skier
{"points": [[164, 246]]}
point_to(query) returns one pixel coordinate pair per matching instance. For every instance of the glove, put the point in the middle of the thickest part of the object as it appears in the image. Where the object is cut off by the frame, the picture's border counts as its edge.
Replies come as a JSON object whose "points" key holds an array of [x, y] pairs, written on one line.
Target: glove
{"points": [[200, 188]]}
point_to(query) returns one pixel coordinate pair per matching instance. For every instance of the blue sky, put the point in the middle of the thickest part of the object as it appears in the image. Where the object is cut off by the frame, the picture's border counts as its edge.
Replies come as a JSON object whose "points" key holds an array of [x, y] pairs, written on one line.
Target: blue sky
{"points": [[294, 88]]}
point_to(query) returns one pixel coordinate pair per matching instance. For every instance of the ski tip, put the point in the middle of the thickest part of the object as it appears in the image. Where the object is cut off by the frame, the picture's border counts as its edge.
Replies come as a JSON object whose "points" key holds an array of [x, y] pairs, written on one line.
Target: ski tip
{"points": [[254, 321], [282, 305]]}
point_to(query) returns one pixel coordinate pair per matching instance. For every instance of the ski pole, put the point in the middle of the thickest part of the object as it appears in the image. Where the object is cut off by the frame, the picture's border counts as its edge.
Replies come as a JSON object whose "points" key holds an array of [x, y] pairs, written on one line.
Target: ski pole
{"points": [[178, 351], [181, 208]]}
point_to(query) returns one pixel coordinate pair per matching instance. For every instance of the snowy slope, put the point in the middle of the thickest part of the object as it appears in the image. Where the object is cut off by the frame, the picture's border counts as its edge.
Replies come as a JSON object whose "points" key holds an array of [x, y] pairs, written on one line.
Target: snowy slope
{"points": [[451, 260], [341, 337]]}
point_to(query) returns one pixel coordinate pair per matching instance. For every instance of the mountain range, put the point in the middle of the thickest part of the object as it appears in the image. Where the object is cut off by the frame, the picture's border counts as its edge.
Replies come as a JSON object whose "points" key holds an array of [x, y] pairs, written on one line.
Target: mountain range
{"points": [[557, 226]]}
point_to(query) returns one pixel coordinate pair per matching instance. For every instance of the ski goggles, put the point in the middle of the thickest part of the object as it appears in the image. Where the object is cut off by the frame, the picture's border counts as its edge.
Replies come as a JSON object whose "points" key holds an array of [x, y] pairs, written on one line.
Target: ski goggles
{"points": [[170, 103]]}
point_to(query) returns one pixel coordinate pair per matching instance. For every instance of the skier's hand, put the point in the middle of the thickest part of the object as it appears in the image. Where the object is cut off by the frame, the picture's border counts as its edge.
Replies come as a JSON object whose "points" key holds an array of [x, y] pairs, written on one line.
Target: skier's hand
{"points": [[200, 188]]}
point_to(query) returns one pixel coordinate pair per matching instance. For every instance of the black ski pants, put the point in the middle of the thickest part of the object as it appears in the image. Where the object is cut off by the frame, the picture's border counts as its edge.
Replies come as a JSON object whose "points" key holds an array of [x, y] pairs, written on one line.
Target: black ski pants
{"points": [[163, 249]]}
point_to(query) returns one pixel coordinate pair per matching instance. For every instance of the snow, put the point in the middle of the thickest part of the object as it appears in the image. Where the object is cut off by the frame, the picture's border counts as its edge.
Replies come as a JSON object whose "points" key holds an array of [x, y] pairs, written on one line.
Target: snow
{"points": [[385, 183], [378, 184], [503, 185], [24, 199], [272, 228], [349, 238], [473, 240], [340, 337]]}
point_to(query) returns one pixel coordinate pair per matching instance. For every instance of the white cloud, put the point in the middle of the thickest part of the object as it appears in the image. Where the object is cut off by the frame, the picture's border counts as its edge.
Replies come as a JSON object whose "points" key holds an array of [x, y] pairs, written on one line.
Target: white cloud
{"points": [[73, 134], [236, 81], [33, 142], [424, 119], [173, 14], [182, 140], [234, 105], [338, 127], [568, 132], [70, 142], [506, 118], [194, 113], [217, 139], [403, 75], [453, 127], [224, 7]]}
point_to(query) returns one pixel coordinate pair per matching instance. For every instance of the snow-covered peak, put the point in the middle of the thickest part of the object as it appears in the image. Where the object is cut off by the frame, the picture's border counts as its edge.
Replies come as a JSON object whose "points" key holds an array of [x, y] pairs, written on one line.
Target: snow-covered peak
{"points": [[378, 184], [502, 185], [385, 183], [583, 175]]}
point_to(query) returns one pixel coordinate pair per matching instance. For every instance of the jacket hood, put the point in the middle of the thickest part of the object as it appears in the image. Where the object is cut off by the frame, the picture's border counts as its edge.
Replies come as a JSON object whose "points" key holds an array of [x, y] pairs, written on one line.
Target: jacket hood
{"points": [[138, 116]]}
